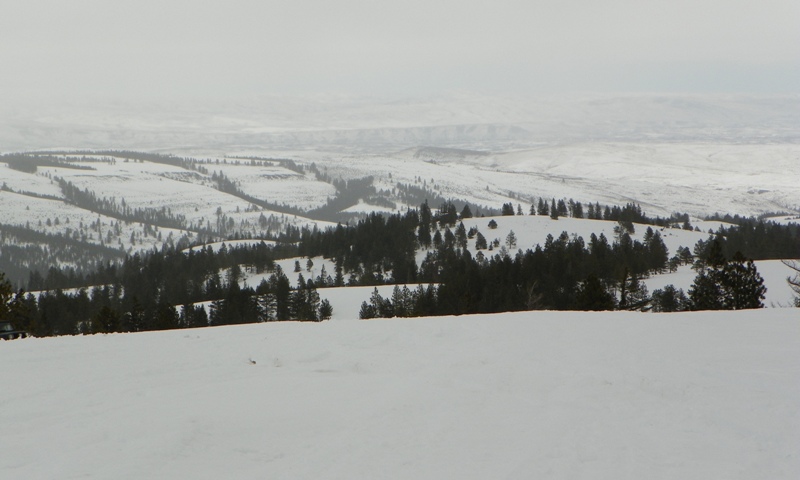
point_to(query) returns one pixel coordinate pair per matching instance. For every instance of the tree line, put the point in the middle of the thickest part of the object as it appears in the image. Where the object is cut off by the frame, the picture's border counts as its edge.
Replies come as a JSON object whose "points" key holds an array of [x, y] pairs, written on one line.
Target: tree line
{"points": [[162, 289]]}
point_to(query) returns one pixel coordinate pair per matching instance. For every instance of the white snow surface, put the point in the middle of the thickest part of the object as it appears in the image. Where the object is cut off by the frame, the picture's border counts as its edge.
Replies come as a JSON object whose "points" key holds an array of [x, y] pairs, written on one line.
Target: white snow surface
{"points": [[541, 395]]}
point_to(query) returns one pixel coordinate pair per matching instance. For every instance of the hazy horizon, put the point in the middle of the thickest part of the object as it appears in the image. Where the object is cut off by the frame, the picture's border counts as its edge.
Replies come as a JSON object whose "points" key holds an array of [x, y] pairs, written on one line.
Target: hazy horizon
{"points": [[92, 50]]}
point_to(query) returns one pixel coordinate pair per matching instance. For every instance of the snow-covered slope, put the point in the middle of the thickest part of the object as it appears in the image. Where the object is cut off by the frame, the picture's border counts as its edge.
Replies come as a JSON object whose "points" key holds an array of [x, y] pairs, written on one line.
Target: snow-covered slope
{"points": [[699, 179], [525, 395]]}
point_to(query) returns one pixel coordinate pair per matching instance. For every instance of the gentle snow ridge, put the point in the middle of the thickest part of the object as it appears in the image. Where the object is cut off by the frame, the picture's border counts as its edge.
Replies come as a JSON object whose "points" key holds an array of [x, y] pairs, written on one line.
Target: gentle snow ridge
{"points": [[520, 395]]}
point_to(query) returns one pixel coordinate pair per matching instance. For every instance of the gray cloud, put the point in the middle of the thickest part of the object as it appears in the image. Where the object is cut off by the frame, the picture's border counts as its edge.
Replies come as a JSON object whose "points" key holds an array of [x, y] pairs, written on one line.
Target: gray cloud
{"points": [[167, 48]]}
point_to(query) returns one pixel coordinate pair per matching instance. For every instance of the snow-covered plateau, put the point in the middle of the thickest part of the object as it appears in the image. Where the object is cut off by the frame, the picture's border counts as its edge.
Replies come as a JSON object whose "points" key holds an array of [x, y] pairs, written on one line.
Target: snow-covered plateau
{"points": [[521, 395]]}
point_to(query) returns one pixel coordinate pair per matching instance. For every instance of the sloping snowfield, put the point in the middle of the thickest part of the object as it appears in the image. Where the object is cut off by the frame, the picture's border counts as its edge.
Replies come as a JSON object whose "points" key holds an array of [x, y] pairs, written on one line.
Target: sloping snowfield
{"points": [[524, 395]]}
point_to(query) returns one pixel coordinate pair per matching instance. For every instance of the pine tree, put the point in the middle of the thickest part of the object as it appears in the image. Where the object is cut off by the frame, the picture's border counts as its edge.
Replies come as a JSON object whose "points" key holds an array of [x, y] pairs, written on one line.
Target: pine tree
{"points": [[592, 295], [6, 292], [511, 240], [424, 231], [669, 299], [725, 285], [743, 285], [325, 310], [794, 279], [553, 210], [480, 242], [461, 236], [542, 208], [366, 311]]}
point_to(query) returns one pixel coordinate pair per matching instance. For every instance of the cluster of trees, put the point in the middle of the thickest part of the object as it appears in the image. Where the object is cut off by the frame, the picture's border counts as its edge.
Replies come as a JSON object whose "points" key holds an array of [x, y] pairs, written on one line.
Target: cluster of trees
{"points": [[726, 284], [26, 254], [143, 291], [30, 163], [794, 280], [758, 239], [563, 273], [470, 286], [13, 305]]}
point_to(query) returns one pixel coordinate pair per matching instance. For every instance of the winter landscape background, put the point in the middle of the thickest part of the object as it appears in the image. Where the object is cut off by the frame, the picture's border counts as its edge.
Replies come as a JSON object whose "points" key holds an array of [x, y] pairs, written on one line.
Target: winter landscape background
{"points": [[149, 134], [538, 394]]}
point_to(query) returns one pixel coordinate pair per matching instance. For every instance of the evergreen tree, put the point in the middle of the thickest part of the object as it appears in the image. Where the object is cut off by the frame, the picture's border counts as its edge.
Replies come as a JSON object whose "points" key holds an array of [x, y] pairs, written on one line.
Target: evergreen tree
{"points": [[706, 291], [744, 287], [325, 310], [636, 296], [461, 236], [794, 279], [366, 311], [480, 242], [592, 295], [563, 211], [511, 240], [542, 208], [725, 285], [424, 231], [553, 210], [15, 308], [106, 321], [669, 299]]}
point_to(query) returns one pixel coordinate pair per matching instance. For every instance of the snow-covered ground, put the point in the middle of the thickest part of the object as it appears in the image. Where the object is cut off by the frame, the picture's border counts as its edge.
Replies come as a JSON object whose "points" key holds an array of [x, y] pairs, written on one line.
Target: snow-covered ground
{"points": [[524, 395], [279, 185], [56, 217]]}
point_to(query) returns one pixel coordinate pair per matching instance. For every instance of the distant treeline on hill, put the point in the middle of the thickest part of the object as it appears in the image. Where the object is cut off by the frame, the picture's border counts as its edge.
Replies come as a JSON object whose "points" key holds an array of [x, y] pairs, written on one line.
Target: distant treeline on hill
{"points": [[29, 163], [565, 272]]}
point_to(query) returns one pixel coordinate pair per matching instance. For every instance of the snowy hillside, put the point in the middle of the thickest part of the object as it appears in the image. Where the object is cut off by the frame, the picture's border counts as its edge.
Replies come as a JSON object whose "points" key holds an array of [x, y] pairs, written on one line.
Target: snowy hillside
{"points": [[529, 232], [525, 395]]}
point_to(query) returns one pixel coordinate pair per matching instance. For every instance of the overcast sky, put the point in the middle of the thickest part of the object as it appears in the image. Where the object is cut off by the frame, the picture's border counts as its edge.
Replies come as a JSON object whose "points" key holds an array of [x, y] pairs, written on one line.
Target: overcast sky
{"points": [[217, 49]]}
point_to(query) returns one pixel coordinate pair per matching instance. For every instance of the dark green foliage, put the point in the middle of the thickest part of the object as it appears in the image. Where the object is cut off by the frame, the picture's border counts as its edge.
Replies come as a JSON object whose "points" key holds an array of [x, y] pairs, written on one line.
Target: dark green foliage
{"points": [[141, 292], [669, 299], [17, 308], [480, 242], [633, 294], [744, 287], [760, 240], [542, 208], [592, 295], [325, 310], [304, 301], [794, 280], [725, 284], [447, 214]]}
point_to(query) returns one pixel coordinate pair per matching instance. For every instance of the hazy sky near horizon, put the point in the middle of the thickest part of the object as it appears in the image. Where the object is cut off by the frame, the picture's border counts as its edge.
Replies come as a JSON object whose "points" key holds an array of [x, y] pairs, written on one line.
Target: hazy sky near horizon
{"points": [[218, 49]]}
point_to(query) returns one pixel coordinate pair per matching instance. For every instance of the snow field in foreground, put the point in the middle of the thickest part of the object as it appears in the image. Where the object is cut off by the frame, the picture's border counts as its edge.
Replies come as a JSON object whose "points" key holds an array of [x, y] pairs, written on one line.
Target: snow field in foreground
{"points": [[523, 395]]}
